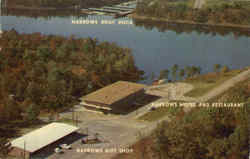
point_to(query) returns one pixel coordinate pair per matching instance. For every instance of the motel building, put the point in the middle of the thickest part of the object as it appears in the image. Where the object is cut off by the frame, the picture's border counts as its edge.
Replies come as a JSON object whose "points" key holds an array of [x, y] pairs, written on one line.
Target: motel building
{"points": [[116, 98], [41, 140]]}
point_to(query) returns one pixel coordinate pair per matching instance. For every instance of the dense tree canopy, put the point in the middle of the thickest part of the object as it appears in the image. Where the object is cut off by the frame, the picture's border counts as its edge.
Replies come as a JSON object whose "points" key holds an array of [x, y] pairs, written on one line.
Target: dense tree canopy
{"points": [[212, 133]]}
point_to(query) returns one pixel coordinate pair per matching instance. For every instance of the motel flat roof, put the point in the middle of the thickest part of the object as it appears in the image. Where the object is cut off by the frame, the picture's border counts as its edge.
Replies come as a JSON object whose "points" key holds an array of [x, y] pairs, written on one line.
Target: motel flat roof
{"points": [[44, 136], [114, 92]]}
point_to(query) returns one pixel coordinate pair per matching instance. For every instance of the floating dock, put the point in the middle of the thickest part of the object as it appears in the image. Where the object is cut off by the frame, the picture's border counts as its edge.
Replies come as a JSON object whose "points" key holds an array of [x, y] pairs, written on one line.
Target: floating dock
{"points": [[123, 14], [103, 10], [124, 7], [129, 3], [117, 10]]}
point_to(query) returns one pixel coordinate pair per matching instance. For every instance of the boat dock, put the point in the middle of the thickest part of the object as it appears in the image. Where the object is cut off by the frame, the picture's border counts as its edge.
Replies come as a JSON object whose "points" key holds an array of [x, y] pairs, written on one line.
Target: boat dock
{"points": [[103, 10], [124, 7], [129, 3], [117, 10]]}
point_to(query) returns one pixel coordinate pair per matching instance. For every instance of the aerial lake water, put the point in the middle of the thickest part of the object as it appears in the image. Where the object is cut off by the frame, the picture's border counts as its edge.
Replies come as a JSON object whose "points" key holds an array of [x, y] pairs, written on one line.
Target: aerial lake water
{"points": [[154, 48]]}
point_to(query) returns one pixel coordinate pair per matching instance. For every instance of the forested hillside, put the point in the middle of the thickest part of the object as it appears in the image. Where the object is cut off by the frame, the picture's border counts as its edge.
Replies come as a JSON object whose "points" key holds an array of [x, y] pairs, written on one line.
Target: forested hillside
{"points": [[211, 133], [41, 73], [226, 12]]}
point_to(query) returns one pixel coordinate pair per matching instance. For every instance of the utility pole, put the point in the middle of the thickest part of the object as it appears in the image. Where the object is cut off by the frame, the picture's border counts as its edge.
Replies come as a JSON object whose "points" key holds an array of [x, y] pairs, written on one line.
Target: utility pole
{"points": [[1, 20], [76, 119], [24, 147], [72, 114]]}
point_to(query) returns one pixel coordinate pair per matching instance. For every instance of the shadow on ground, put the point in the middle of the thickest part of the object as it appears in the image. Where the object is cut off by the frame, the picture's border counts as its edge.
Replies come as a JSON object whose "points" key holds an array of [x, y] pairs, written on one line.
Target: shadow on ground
{"points": [[49, 150]]}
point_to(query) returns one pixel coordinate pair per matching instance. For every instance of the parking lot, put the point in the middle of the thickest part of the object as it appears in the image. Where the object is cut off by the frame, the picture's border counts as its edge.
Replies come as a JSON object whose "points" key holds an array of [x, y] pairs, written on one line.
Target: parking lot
{"points": [[114, 131]]}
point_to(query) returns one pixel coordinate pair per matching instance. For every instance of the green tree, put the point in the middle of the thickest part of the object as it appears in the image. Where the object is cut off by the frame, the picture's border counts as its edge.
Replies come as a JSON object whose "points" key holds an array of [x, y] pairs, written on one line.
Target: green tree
{"points": [[224, 69], [194, 70], [34, 92], [32, 113], [217, 67], [44, 53], [182, 73], [188, 71], [11, 110], [199, 70], [202, 133], [4, 146], [174, 71], [164, 74]]}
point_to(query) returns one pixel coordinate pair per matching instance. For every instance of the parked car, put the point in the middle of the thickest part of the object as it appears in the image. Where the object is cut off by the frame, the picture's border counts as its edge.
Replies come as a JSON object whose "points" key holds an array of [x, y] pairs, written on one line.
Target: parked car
{"points": [[65, 146], [152, 109], [91, 139], [84, 141], [58, 150], [162, 81]]}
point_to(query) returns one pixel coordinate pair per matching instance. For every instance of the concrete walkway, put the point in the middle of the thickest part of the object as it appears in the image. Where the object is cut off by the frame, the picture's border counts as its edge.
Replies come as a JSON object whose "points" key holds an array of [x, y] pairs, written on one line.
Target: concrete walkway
{"points": [[168, 92]]}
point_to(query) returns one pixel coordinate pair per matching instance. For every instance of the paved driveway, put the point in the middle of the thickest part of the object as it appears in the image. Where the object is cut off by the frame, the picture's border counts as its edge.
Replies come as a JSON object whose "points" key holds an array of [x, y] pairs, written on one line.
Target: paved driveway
{"points": [[116, 133], [119, 132]]}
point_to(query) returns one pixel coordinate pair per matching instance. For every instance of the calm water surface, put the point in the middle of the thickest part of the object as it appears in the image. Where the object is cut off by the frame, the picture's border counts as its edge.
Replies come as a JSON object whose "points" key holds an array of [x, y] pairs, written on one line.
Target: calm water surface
{"points": [[153, 50]]}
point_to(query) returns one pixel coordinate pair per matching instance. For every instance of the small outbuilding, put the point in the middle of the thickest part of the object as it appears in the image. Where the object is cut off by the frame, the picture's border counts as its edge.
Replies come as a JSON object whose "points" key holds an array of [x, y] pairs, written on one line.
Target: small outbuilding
{"points": [[34, 141]]}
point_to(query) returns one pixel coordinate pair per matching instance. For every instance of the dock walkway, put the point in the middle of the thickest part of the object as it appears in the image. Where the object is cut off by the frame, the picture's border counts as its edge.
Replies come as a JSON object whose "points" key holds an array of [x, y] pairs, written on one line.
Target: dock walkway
{"points": [[118, 10]]}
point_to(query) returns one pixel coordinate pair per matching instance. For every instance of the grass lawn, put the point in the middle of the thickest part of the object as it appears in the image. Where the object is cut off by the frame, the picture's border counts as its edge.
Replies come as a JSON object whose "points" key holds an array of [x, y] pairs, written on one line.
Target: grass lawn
{"points": [[158, 113], [210, 3], [204, 83], [188, 3], [245, 89]]}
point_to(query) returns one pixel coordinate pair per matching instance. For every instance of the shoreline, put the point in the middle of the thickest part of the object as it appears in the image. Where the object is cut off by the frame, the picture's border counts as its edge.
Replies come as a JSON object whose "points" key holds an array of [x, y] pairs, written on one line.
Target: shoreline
{"points": [[41, 8], [72, 7], [135, 16]]}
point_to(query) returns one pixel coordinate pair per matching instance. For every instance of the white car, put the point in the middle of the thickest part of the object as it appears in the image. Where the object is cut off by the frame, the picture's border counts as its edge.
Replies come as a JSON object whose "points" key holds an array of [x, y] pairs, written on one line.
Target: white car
{"points": [[65, 146], [58, 150]]}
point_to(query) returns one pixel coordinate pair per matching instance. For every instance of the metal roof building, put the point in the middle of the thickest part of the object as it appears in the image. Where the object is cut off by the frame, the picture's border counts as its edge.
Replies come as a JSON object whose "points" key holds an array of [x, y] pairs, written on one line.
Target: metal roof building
{"points": [[41, 138]]}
